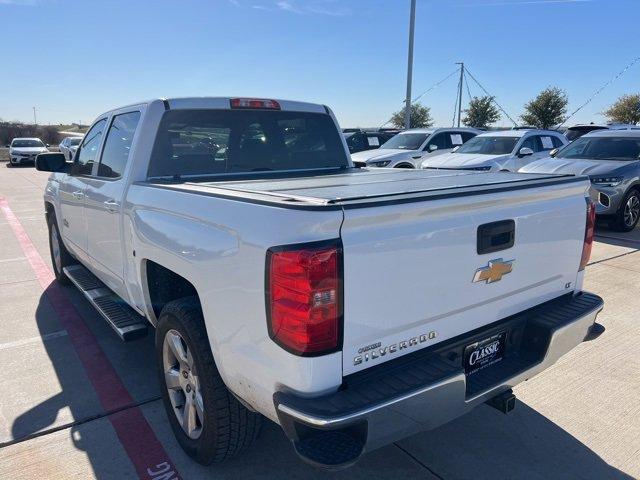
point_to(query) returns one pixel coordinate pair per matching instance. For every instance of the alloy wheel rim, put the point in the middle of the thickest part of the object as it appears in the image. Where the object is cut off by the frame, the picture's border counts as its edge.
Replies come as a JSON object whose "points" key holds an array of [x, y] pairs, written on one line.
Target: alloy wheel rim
{"points": [[55, 247], [631, 211], [183, 386]]}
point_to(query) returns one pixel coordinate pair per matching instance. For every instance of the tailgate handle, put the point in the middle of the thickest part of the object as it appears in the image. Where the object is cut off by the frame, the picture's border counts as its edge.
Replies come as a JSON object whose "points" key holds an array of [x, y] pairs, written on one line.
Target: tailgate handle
{"points": [[496, 236]]}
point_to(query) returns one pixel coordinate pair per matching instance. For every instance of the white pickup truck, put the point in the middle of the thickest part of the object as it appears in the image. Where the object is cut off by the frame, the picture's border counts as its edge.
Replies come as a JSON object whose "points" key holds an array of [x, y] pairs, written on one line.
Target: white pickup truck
{"points": [[351, 306]]}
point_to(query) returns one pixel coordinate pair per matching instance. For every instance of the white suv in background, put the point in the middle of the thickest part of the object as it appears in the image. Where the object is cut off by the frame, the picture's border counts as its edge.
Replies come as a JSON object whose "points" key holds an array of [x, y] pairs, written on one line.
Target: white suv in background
{"points": [[507, 150], [68, 147], [408, 148]]}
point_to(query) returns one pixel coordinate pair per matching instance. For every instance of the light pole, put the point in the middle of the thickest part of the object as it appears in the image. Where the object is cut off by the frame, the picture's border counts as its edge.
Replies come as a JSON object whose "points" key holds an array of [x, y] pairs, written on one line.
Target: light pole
{"points": [[35, 120], [460, 91], [407, 102]]}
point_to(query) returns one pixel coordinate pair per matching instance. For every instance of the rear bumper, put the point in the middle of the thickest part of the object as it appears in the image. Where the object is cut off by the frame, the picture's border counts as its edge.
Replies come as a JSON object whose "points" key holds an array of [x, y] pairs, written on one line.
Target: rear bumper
{"points": [[426, 389]]}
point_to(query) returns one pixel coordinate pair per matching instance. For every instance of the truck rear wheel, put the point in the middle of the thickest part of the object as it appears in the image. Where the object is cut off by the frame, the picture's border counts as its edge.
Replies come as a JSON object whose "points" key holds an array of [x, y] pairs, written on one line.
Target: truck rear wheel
{"points": [[60, 256], [210, 424]]}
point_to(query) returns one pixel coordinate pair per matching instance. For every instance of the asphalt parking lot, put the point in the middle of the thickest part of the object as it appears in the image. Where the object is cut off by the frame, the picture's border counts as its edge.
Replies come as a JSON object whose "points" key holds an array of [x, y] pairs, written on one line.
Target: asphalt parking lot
{"points": [[79, 403]]}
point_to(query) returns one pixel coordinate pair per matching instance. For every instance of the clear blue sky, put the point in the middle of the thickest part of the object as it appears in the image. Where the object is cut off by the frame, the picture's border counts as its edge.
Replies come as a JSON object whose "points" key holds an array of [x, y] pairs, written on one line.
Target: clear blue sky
{"points": [[73, 59]]}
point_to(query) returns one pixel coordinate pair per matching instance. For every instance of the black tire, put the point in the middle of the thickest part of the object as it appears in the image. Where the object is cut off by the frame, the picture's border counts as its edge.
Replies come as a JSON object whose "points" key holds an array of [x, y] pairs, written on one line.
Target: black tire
{"points": [[622, 222], [66, 259], [228, 426]]}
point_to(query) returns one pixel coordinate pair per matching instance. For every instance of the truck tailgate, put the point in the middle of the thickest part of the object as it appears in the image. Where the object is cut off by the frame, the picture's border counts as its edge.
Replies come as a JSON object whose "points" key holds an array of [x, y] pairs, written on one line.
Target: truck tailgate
{"points": [[409, 268]]}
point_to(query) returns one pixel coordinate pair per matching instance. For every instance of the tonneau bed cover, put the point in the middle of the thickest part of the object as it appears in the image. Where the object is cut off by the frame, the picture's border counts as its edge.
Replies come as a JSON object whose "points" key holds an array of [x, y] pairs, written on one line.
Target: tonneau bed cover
{"points": [[361, 187]]}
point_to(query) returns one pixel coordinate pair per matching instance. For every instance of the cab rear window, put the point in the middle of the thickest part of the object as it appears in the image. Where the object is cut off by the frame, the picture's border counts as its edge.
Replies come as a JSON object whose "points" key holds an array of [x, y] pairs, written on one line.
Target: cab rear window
{"points": [[193, 143]]}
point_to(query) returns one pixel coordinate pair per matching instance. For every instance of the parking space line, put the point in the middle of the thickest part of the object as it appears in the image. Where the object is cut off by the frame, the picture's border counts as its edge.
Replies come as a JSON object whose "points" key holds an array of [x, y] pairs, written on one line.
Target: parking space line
{"points": [[16, 259], [76, 423], [39, 338], [418, 461], [134, 432], [632, 241], [612, 258]]}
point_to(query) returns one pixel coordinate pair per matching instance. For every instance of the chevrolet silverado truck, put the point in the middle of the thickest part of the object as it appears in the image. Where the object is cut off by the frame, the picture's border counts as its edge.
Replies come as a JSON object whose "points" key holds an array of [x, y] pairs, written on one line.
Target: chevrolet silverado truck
{"points": [[351, 306]]}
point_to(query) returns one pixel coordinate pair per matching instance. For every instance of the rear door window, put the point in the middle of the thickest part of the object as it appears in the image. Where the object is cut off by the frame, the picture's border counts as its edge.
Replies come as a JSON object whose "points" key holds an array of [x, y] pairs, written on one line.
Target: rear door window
{"points": [[373, 141], [455, 140], [214, 142], [546, 142], [532, 143], [118, 145], [466, 136], [557, 143], [439, 140]]}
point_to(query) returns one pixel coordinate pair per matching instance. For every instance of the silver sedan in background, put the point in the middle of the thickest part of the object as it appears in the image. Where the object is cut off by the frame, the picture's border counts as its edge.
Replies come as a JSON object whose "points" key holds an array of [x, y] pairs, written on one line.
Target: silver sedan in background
{"points": [[611, 159]]}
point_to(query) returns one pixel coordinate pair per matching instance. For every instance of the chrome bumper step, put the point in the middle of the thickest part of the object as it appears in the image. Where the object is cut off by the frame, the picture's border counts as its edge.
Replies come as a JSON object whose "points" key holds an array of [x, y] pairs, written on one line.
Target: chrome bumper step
{"points": [[127, 323]]}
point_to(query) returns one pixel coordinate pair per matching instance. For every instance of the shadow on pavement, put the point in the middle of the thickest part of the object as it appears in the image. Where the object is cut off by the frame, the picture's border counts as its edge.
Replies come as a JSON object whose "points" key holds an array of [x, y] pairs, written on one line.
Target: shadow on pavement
{"points": [[486, 444], [98, 440], [620, 239], [482, 444]]}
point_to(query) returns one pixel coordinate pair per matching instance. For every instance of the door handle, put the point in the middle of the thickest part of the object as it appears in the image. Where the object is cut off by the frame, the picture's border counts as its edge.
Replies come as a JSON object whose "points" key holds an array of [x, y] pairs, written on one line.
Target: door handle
{"points": [[111, 206], [78, 195]]}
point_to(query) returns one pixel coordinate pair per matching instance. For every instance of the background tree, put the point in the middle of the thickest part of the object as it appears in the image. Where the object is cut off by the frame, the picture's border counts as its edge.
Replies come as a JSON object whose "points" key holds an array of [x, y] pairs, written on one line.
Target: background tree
{"points": [[625, 110], [420, 117], [11, 130], [481, 112], [547, 109]]}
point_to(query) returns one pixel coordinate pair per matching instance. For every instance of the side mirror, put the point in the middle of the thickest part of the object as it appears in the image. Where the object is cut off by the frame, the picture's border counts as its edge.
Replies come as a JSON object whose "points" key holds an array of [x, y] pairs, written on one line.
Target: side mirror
{"points": [[432, 147], [47, 145], [8, 146], [553, 152], [525, 151], [51, 162], [455, 149]]}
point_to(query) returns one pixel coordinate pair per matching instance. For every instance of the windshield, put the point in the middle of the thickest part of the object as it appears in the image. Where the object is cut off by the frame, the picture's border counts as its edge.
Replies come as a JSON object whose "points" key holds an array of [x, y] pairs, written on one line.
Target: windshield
{"points": [[573, 133], [74, 141], [215, 142], [406, 141], [602, 148], [489, 145], [27, 143]]}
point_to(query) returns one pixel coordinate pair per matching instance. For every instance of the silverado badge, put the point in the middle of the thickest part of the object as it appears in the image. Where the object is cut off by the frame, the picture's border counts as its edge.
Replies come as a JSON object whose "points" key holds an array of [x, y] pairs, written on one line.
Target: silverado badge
{"points": [[494, 271]]}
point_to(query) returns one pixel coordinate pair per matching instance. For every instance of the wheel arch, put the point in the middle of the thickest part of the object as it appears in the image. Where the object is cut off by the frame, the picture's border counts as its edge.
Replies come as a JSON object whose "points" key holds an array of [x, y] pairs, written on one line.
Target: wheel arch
{"points": [[162, 285], [48, 209]]}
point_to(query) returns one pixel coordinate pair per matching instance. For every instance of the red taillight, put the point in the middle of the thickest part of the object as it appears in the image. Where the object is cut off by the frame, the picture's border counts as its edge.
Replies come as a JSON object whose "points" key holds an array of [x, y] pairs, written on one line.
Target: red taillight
{"points": [[589, 232], [304, 298], [258, 103]]}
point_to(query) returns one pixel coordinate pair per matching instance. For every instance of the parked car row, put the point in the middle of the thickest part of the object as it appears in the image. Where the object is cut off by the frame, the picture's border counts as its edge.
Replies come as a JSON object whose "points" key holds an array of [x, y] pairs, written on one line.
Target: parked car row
{"points": [[608, 153], [25, 149], [507, 150], [408, 148]]}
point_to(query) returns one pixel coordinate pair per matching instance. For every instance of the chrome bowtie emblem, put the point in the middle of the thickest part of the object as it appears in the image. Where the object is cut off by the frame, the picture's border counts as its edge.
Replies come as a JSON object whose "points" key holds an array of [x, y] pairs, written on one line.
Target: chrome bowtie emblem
{"points": [[494, 271]]}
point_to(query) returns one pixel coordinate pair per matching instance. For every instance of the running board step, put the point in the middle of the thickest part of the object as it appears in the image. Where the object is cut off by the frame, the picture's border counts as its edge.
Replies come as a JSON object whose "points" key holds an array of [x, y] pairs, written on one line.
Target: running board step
{"points": [[128, 324]]}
